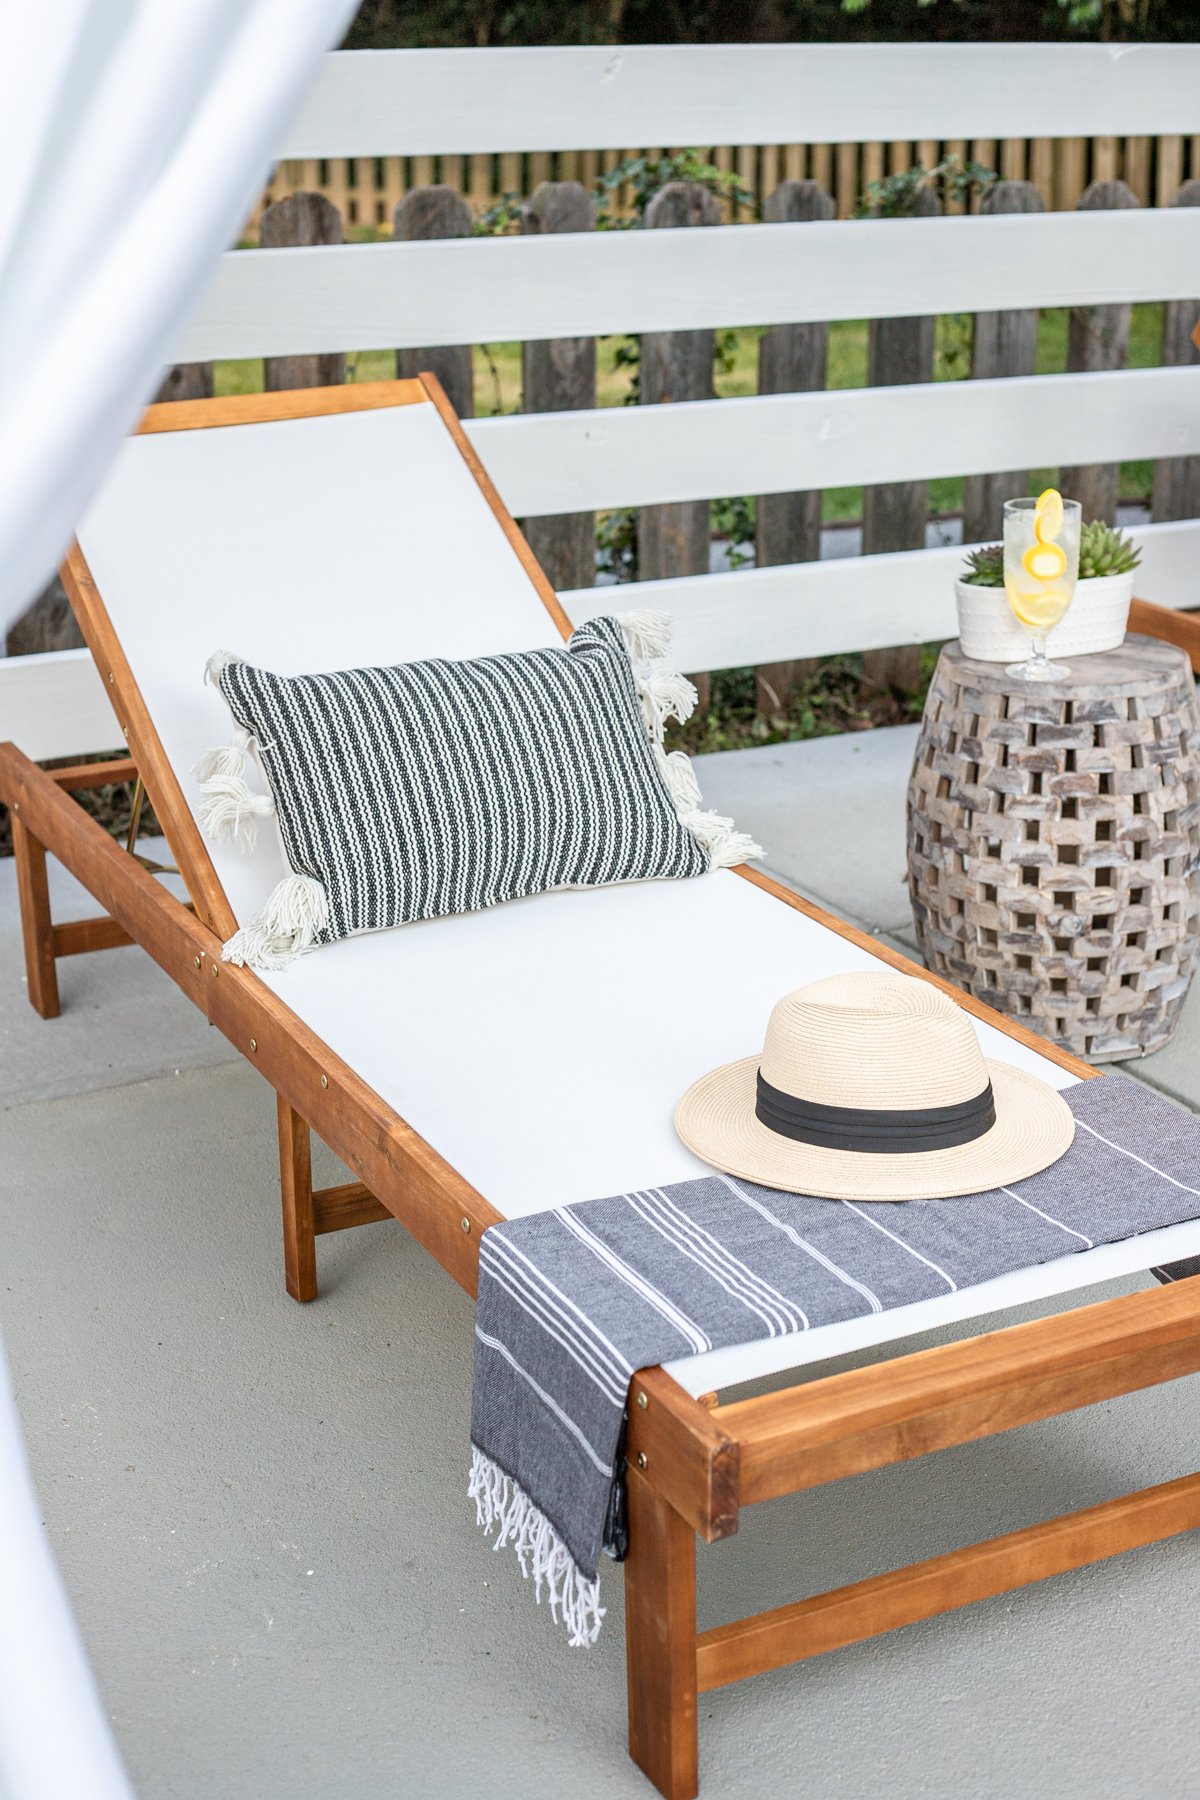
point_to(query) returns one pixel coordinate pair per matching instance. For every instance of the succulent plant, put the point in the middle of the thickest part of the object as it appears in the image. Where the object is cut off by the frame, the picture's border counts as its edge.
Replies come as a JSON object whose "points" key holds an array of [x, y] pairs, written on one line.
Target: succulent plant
{"points": [[985, 567], [1105, 551], [1102, 551]]}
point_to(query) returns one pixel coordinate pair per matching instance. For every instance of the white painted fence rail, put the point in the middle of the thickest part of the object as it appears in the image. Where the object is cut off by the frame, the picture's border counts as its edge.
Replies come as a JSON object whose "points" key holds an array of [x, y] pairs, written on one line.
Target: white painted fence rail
{"points": [[852, 602], [776, 443], [358, 297], [426, 102], [588, 284]]}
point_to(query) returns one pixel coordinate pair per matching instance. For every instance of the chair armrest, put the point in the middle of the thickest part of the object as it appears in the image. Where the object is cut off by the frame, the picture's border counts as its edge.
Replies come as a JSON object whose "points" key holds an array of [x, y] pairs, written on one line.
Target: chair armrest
{"points": [[1167, 623]]}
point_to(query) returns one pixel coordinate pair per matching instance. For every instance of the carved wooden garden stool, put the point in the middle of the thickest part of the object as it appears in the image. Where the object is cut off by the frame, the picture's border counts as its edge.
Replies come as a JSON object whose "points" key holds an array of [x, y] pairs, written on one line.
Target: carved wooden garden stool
{"points": [[1054, 843]]}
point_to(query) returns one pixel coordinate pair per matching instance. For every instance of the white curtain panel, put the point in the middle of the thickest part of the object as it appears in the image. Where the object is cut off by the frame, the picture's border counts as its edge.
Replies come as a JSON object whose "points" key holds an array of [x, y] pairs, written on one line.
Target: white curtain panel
{"points": [[134, 136], [54, 1737]]}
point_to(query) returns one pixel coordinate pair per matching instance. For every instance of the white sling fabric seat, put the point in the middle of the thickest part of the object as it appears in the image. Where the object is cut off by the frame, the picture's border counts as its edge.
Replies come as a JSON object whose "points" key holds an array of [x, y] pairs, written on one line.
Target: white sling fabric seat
{"points": [[539, 1047]]}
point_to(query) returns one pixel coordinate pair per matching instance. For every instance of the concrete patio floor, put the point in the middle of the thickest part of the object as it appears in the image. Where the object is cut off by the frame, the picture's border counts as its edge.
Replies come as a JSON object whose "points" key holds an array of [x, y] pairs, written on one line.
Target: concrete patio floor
{"points": [[259, 1509]]}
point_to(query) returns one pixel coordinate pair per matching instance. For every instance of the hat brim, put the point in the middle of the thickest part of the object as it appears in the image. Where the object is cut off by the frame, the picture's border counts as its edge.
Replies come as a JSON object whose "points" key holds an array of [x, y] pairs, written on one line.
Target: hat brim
{"points": [[716, 1120]]}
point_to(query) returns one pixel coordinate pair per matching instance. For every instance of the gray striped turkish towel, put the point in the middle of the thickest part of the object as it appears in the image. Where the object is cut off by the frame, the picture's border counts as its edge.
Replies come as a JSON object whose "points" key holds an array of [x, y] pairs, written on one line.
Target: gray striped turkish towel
{"points": [[573, 1302]]}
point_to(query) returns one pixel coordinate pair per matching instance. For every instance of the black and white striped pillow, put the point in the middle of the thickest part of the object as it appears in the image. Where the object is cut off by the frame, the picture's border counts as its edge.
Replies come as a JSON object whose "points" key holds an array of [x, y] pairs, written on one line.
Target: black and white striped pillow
{"points": [[443, 787]]}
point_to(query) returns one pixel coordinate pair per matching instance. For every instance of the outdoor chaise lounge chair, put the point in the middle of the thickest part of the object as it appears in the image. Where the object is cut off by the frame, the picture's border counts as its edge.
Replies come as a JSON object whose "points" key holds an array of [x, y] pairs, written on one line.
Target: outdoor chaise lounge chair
{"points": [[239, 523]]}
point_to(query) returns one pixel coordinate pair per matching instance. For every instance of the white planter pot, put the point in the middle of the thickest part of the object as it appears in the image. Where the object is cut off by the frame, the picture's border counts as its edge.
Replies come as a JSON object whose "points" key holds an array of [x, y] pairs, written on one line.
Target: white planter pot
{"points": [[1096, 620]]}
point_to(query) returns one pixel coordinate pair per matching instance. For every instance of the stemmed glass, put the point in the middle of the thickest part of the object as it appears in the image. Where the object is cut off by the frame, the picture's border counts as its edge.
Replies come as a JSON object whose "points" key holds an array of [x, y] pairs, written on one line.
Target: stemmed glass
{"points": [[1041, 568]]}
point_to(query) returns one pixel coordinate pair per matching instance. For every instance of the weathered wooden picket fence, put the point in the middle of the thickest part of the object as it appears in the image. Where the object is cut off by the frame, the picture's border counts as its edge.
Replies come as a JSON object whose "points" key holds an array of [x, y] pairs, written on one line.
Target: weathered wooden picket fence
{"points": [[367, 189], [557, 286]]}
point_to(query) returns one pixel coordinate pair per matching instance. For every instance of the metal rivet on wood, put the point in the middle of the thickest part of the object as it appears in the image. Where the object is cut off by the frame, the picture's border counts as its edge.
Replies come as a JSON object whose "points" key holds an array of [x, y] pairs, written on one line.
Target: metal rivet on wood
{"points": [[254, 1043], [465, 1222], [324, 1081], [641, 1399], [640, 1459], [198, 961], [1052, 843]]}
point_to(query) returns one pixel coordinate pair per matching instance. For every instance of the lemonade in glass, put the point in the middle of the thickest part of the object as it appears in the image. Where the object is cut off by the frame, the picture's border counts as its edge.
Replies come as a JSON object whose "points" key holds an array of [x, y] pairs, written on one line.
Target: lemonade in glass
{"points": [[1041, 568]]}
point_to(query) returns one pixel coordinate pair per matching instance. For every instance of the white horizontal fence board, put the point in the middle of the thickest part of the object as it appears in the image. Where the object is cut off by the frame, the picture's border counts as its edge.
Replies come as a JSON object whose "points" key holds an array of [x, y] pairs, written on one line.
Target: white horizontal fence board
{"points": [[775, 443], [587, 284], [55, 704], [850, 603], [422, 102]]}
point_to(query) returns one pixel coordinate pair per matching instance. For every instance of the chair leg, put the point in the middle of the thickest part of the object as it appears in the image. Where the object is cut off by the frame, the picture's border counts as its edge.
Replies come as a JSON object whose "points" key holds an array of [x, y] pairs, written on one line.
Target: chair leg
{"points": [[295, 1182], [660, 1642], [37, 928]]}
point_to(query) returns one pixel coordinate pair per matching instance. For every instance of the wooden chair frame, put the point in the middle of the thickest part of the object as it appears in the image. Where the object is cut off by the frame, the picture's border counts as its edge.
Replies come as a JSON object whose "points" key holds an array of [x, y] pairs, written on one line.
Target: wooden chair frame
{"points": [[692, 1465]]}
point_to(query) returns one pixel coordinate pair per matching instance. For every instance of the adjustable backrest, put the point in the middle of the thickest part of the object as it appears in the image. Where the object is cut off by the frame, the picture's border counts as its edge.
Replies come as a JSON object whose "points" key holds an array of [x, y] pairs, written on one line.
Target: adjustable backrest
{"points": [[264, 538]]}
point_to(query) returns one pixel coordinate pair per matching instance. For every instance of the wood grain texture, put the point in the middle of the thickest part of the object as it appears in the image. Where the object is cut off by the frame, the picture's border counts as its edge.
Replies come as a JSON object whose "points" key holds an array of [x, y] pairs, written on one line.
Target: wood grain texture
{"points": [[1002, 345], [296, 1193], [958, 1393], [300, 220], [291, 403], [80, 936], [689, 1459], [558, 375], [942, 1584], [37, 929], [1168, 625], [341, 1208], [78, 778], [424, 214], [165, 795], [894, 514], [1050, 839], [791, 358], [1176, 485], [1098, 338], [660, 1642]]}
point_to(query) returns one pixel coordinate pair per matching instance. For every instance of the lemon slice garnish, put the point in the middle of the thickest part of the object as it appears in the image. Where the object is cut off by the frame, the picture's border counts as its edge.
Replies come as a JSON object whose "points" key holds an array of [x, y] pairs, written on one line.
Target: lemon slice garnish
{"points": [[1048, 516], [1045, 562], [1039, 611]]}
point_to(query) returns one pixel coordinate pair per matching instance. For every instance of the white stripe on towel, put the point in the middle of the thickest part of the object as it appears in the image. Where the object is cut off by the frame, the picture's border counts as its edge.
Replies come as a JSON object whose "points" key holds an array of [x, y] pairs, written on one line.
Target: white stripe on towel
{"points": [[686, 1327]]}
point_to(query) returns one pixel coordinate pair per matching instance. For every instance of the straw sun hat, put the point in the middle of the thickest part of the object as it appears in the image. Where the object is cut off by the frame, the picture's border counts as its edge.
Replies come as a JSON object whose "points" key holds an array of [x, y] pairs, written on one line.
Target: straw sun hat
{"points": [[873, 1087]]}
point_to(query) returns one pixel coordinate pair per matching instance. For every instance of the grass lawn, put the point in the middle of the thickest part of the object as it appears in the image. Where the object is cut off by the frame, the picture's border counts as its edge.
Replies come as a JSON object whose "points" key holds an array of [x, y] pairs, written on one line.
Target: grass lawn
{"points": [[498, 382]]}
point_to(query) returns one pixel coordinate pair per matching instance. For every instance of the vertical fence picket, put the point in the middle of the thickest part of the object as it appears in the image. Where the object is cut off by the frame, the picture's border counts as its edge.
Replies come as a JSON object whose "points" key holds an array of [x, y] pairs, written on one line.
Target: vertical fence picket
{"points": [[1041, 168], [1098, 338], [1003, 343], [1012, 160], [846, 191], [820, 165], [983, 151], [1168, 169], [677, 365], [793, 163], [1176, 490], [559, 375], [791, 359], [1070, 173], [187, 381], [301, 219], [1137, 167], [928, 153], [956, 147], [1104, 159], [895, 513], [438, 212], [899, 158]]}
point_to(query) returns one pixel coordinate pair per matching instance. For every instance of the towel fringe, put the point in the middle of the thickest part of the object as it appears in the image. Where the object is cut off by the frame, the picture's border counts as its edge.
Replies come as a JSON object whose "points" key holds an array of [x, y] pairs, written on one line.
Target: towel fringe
{"points": [[502, 1503], [283, 928], [229, 807]]}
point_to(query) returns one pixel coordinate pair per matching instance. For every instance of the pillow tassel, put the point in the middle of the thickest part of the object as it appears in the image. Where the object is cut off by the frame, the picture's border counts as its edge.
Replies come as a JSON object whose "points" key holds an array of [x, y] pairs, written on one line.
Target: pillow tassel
{"points": [[229, 807], [286, 925], [647, 633]]}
